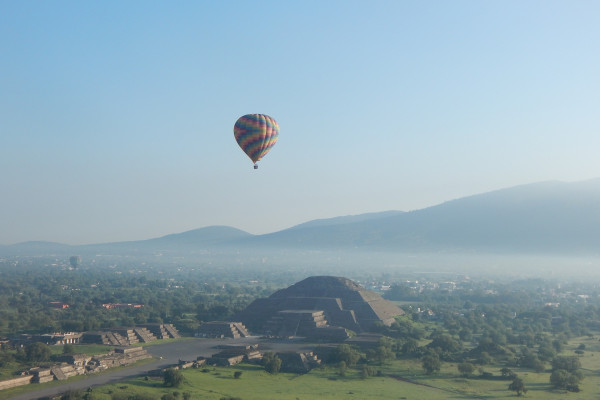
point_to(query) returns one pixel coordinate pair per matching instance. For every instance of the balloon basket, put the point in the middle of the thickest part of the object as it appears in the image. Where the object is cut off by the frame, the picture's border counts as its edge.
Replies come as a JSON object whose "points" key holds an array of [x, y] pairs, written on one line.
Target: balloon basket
{"points": [[255, 166]]}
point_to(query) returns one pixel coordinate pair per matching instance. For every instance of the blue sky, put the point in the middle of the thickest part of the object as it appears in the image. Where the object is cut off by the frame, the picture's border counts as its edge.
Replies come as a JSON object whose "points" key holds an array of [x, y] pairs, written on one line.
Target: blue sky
{"points": [[116, 118]]}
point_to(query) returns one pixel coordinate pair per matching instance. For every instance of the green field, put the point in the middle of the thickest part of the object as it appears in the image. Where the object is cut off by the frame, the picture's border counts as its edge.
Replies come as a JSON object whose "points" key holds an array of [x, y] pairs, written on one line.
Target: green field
{"points": [[324, 383], [401, 379]]}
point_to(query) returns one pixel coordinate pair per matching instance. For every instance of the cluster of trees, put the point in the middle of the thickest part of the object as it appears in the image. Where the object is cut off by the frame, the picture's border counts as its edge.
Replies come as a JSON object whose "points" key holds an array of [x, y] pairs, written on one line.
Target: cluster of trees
{"points": [[513, 326], [28, 356], [566, 373], [25, 297]]}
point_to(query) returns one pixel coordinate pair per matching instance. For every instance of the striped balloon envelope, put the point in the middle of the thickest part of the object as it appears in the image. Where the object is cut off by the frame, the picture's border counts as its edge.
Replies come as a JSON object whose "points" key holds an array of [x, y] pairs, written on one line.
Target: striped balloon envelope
{"points": [[256, 134]]}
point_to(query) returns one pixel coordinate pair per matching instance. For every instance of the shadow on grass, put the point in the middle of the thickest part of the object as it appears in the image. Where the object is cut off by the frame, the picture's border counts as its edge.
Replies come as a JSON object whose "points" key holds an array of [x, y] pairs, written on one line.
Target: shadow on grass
{"points": [[142, 383]]}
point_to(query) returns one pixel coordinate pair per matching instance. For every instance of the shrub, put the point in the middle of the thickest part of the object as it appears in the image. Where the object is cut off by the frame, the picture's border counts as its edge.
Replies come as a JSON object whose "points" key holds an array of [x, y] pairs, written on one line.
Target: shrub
{"points": [[172, 377], [272, 363]]}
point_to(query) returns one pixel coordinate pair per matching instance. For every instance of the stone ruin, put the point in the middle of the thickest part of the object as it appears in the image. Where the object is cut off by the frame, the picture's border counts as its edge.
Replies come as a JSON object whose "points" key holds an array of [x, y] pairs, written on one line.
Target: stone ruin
{"points": [[291, 361], [298, 362], [78, 364], [232, 355], [319, 307], [222, 329], [128, 336]]}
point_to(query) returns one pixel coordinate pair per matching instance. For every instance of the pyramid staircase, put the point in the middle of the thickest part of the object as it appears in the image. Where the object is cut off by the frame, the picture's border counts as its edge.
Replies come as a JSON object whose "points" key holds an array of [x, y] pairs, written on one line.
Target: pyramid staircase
{"points": [[172, 331], [299, 363], [289, 323], [234, 330], [115, 339], [144, 335], [243, 331]]}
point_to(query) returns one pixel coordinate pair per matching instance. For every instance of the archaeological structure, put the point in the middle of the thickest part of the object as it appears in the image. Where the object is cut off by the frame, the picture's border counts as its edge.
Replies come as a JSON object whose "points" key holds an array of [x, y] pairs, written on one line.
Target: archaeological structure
{"points": [[322, 307]]}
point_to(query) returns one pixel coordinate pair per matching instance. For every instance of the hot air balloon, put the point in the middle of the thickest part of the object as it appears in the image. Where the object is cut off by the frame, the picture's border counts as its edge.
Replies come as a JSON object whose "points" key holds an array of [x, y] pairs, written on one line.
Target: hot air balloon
{"points": [[256, 134]]}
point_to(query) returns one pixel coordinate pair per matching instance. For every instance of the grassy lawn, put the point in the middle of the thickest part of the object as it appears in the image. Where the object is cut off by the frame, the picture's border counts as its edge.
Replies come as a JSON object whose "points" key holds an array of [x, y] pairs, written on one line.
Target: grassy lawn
{"points": [[325, 383], [255, 384]]}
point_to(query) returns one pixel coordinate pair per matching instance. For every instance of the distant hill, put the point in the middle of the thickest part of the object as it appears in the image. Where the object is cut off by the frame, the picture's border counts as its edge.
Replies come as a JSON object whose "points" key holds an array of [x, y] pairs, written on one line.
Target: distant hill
{"points": [[190, 241], [348, 219], [211, 235], [36, 248], [547, 217], [543, 217]]}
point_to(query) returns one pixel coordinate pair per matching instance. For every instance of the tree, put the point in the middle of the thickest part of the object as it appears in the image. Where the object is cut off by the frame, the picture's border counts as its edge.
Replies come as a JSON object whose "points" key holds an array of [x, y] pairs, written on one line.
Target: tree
{"points": [[530, 360], [37, 352], [546, 351], [381, 354], [271, 362], [68, 349], [465, 335], [559, 378], [466, 368], [410, 347], [445, 343], [566, 373], [507, 373], [518, 386], [485, 358], [568, 363], [343, 368], [563, 379], [366, 371], [345, 353], [431, 363], [172, 377]]}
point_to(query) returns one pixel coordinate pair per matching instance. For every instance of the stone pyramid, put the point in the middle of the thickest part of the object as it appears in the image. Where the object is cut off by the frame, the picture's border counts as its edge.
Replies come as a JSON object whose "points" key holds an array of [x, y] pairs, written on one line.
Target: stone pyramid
{"points": [[344, 303]]}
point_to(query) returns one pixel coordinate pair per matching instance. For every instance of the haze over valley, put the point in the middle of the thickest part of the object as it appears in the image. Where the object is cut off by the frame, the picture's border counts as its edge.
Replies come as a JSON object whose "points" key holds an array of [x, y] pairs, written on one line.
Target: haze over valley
{"points": [[547, 227], [382, 199]]}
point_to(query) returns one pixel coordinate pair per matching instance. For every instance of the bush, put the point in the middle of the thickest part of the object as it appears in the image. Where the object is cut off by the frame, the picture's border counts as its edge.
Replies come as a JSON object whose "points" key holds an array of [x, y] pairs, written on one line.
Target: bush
{"points": [[345, 353], [431, 363], [272, 363], [68, 349], [367, 371], [172, 377], [466, 368], [342, 368], [563, 379], [518, 386], [568, 363], [37, 352]]}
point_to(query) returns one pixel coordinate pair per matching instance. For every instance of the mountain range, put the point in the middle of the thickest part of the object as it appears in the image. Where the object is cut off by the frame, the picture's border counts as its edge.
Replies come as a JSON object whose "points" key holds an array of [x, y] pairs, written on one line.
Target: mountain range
{"points": [[544, 218]]}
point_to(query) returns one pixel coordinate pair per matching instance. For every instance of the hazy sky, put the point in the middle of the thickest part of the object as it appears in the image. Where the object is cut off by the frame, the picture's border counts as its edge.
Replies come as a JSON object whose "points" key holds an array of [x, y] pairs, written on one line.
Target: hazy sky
{"points": [[116, 118]]}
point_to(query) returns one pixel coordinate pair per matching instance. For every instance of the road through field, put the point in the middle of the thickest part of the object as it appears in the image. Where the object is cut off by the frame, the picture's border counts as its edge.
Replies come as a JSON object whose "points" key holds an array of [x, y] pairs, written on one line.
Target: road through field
{"points": [[165, 355]]}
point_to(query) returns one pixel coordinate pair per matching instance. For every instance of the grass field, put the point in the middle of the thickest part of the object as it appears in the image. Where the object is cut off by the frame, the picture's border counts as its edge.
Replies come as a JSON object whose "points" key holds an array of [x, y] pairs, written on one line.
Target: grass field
{"points": [[402, 379]]}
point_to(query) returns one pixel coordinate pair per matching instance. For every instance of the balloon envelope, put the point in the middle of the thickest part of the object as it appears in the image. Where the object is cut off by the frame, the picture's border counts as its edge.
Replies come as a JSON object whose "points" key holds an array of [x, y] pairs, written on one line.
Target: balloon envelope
{"points": [[256, 134]]}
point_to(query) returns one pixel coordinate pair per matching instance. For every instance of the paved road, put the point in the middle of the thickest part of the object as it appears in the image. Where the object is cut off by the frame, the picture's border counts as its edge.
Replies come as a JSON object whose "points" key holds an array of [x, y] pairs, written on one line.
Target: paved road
{"points": [[171, 353]]}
